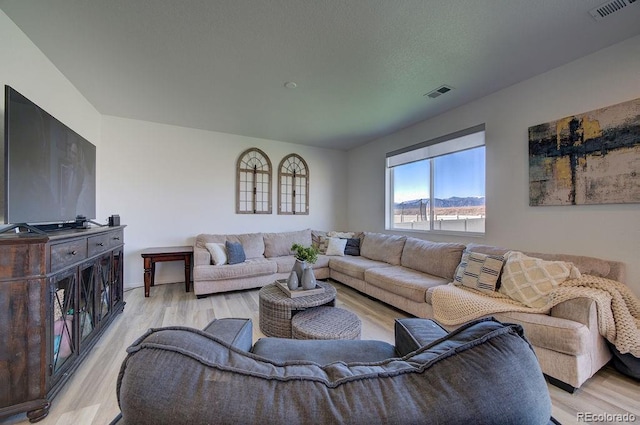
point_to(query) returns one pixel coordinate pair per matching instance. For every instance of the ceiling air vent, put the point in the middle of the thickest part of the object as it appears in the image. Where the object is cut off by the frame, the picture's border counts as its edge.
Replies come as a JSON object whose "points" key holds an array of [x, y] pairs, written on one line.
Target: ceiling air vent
{"points": [[608, 8], [439, 91]]}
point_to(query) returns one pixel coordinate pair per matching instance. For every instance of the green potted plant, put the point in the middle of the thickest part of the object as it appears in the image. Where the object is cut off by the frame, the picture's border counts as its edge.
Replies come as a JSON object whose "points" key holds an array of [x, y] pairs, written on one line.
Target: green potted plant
{"points": [[305, 255]]}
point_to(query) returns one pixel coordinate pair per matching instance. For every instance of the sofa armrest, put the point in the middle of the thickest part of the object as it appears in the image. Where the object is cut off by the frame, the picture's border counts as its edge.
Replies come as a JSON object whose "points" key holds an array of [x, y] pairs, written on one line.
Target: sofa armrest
{"points": [[236, 332], [412, 334], [201, 257], [581, 310]]}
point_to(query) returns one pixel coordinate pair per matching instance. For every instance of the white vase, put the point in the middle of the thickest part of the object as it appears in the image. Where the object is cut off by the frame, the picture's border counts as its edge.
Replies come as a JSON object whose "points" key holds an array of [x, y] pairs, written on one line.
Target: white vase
{"points": [[293, 282], [308, 279]]}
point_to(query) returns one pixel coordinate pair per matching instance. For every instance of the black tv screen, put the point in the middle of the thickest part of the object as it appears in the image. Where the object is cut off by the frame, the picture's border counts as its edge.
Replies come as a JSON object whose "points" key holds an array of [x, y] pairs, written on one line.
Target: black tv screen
{"points": [[50, 170]]}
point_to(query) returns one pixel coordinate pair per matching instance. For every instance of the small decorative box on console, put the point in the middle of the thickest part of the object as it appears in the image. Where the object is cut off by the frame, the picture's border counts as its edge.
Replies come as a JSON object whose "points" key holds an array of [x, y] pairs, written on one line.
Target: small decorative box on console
{"points": [[114, 220]]}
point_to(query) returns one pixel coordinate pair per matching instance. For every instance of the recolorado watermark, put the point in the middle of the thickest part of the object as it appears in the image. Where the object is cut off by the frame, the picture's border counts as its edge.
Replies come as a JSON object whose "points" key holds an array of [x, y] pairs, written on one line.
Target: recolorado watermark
{"points": [[605, 417]]}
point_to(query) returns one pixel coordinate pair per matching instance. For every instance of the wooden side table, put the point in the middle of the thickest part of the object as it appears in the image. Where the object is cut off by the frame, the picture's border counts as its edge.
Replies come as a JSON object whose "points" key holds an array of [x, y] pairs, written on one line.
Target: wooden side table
{"points": [[152, 256]]}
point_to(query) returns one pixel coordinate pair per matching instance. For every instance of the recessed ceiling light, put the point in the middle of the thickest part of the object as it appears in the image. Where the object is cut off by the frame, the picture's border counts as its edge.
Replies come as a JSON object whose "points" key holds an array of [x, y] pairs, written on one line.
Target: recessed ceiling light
{"points": [[290, 85]]}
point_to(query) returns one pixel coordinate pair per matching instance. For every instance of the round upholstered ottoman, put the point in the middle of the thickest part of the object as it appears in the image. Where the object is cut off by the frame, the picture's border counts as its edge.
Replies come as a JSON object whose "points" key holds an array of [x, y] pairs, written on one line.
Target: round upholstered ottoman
{"points": [[325, 323]]}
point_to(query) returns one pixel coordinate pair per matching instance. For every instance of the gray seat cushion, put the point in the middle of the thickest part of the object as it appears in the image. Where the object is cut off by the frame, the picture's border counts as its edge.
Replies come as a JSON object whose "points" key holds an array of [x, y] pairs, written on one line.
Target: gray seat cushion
{"points": [[249, 268], [323, 351], [354, 266], [407, 283]]}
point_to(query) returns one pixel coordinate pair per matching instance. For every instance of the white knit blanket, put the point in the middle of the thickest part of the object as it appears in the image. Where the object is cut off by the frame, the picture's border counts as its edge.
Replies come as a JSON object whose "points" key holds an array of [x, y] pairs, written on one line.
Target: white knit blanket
{"points": [[618, 308]]}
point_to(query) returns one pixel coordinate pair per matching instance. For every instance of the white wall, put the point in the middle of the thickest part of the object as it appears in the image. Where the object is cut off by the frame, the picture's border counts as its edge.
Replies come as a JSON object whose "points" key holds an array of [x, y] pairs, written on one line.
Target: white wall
{"points": [[168, 184], [26, 69], [605, 78]]}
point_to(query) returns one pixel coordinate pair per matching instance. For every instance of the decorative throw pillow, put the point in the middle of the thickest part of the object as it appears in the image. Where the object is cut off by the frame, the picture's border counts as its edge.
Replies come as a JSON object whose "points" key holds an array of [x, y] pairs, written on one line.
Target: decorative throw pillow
{"points": [[352, 247], [479, 271], [315, 238], [530, 280], [323, 243], [235, 252], [218, 253], [336, 246], [344, 235]]}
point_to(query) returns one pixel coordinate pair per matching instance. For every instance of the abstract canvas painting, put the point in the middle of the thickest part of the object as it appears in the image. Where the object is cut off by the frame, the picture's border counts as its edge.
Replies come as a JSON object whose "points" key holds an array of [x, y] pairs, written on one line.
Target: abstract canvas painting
{"points": [[591, 158]]}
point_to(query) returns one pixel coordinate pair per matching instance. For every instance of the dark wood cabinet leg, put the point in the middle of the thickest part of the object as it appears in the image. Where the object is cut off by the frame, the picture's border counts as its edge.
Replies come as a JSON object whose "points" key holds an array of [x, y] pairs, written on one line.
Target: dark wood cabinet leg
{"points": [[39, 414], [147, 276], [187, 273]]}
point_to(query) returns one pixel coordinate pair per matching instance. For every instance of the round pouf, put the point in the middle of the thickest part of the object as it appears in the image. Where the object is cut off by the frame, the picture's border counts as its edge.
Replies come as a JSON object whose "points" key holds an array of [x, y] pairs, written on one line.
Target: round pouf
{"points": [[325, 323]]}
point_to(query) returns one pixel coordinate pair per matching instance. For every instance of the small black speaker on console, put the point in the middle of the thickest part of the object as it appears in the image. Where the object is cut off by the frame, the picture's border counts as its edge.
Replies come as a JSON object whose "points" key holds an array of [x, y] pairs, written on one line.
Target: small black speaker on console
{"points": [[114, 220], [81, 222]]}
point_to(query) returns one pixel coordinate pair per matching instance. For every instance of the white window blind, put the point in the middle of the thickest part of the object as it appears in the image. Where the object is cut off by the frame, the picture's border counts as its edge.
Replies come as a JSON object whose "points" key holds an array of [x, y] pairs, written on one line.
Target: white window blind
{"points": [[462, 140]]}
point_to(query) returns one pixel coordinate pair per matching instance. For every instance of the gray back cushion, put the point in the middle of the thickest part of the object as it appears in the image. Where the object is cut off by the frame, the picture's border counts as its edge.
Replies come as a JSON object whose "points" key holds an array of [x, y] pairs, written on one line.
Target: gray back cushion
{"points": [[382, 247], [279, 244], [436, 258], [252, 243]]}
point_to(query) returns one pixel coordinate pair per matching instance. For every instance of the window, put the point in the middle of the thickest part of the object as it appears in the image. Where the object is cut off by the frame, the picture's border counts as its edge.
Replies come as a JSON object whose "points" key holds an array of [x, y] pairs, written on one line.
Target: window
{"points": [[253, 183], [438, 185], [293, 183]]}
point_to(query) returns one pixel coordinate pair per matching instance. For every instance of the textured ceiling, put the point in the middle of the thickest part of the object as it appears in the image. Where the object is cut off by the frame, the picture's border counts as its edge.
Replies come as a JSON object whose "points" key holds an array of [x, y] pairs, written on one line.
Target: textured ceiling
{"points": [[361, 66]]}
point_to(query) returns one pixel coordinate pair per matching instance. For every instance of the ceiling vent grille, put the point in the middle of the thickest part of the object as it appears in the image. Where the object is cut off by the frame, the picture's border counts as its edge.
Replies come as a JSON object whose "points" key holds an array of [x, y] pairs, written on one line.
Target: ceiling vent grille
{"points": [[439, 91], [608, 8]]}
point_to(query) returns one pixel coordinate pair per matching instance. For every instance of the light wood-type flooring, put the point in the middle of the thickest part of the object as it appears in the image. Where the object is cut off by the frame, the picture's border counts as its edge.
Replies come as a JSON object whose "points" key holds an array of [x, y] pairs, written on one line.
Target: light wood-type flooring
{"points": [[89, 397]]}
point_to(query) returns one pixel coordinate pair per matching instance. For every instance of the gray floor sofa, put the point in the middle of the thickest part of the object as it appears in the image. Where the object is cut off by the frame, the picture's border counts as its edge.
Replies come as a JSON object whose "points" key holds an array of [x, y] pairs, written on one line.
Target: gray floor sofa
{"points": [[402, 271], [182, 375]]}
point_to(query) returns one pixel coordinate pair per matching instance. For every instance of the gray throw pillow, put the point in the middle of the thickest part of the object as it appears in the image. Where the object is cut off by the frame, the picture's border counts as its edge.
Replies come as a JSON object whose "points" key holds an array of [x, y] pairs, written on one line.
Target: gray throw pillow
{"points": [[353, 246], [235, 252]]}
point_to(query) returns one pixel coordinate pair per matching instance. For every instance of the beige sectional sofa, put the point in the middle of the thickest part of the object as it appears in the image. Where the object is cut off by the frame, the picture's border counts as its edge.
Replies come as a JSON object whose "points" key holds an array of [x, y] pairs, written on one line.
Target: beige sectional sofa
{"points": [[401, 271]]}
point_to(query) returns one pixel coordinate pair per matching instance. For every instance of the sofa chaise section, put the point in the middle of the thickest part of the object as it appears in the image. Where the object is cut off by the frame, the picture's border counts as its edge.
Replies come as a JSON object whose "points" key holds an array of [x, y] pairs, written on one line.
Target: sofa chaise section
{"points": [[567, 341]]}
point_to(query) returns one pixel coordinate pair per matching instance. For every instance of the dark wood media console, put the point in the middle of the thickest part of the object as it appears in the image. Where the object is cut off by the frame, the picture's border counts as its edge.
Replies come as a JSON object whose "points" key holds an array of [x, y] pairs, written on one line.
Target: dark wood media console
{"points": [[58, 293]]}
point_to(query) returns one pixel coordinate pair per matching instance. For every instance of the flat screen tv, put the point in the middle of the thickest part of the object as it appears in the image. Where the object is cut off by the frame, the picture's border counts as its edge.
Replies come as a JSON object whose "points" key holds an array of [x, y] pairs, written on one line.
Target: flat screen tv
{"points": [[50, 170]]}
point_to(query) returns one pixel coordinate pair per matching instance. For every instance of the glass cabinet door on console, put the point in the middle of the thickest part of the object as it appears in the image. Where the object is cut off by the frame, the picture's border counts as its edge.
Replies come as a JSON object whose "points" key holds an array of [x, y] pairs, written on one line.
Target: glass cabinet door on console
{"points": [[103, 285], [63, 326], [86, 315]]}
